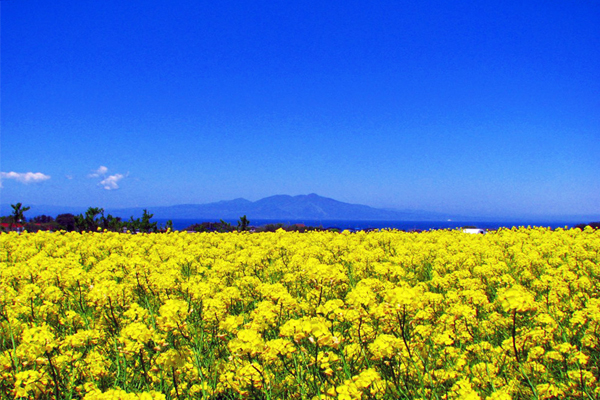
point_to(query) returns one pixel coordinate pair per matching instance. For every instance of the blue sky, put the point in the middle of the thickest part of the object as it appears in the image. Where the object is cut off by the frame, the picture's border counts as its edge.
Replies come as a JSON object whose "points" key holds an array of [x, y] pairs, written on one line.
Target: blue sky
{"points": [[487, 108]]}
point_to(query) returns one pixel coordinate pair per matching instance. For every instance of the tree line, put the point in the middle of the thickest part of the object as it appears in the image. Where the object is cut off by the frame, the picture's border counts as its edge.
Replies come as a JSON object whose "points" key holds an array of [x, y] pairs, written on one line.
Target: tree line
{"points": [[94, 219]]}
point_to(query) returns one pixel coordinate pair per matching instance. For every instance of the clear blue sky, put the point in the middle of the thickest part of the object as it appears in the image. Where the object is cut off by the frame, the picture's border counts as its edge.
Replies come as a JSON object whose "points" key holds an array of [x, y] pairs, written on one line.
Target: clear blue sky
{"points": [[472, 107]]}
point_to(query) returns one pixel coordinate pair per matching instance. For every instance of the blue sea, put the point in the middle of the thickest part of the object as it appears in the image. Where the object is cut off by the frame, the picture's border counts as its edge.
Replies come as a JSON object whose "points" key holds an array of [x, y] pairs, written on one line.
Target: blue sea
{"points": [[181, 224]]}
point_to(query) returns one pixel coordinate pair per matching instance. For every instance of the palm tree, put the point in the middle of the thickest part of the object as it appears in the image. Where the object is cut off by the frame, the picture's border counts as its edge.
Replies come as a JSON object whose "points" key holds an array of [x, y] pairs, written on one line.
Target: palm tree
{"points": [[18, 213]]}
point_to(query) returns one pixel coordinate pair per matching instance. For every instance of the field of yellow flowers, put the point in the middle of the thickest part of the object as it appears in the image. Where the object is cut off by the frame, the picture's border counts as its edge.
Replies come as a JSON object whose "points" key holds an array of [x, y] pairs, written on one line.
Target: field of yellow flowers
{"points": [[514, 314]]}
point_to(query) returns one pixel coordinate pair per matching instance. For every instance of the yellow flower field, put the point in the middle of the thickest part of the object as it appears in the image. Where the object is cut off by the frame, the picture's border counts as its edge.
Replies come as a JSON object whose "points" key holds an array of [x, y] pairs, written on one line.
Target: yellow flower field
{"points": [[514, 314]]}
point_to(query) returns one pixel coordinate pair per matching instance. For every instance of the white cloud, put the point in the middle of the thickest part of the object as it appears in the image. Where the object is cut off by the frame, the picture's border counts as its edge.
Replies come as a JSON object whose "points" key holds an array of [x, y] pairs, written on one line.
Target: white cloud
{"points": [[110, 182], [101, 171], [25, 177]]}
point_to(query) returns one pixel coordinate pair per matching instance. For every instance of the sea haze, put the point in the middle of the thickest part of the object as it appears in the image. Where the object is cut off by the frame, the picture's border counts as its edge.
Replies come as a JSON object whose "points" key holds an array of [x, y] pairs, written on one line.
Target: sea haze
{"points": [[283, 207], [311, 210]]}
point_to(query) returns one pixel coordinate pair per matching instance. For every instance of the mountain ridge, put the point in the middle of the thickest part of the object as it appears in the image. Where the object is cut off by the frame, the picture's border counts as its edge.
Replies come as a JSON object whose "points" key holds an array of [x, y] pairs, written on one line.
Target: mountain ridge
{"points": [[284, 208], [279, 206]]}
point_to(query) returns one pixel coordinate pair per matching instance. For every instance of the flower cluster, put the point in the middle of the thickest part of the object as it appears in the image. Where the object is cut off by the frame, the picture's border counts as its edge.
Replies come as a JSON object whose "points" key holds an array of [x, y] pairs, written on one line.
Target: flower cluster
{"points": [[514, 314]]}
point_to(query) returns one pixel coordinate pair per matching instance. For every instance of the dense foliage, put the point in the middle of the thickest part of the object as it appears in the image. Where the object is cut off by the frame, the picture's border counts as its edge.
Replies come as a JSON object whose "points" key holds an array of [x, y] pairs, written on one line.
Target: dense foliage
{"points": [[93, 220], [513, 314]]}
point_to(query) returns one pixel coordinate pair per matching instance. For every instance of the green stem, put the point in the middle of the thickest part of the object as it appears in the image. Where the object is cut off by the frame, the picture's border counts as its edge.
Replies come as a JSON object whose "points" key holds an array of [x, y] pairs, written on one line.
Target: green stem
{"points": [[514, 335], [54, 376]]}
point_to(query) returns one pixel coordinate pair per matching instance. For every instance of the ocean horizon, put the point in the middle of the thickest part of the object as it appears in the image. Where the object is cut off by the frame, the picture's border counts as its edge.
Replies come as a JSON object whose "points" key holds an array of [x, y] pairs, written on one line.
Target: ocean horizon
{"points": [[181, 224]]}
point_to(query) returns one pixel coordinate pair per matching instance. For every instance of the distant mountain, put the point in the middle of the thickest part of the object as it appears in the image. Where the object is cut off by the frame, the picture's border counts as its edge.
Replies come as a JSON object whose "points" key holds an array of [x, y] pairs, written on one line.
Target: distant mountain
{"points": [[281, 207], [310, 207]]}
